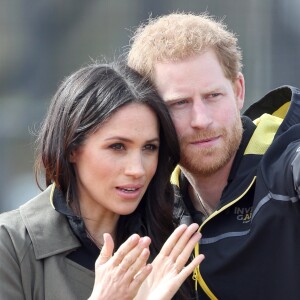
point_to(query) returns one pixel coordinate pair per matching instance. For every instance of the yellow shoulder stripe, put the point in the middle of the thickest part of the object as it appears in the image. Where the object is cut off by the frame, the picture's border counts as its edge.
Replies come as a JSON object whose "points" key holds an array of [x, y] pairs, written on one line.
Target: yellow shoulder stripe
{"points": [[175, 176], [282, 111], [263, 135]]}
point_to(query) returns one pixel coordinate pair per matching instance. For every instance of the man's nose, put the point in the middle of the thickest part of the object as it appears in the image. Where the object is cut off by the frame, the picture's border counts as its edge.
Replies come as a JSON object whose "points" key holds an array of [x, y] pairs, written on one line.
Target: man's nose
{"points": [[200, 115]]}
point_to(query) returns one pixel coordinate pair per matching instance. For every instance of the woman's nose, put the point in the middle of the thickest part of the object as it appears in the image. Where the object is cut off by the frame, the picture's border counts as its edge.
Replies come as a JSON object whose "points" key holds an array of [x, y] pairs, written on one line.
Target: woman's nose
{"points": [[135, 165]]}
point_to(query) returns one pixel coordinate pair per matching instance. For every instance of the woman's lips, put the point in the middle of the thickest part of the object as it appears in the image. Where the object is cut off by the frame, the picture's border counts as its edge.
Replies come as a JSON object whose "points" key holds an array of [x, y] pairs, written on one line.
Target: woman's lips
{"points": [[129, 191]]}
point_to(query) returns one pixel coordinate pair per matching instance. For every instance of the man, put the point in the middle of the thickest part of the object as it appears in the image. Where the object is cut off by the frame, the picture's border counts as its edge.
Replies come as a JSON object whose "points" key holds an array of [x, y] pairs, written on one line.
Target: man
{"points": [[238, 178]]}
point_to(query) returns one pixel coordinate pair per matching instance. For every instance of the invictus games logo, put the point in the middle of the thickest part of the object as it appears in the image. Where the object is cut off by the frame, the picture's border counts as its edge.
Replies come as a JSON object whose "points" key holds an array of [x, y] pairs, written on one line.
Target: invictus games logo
{"points": [[243, 214]]}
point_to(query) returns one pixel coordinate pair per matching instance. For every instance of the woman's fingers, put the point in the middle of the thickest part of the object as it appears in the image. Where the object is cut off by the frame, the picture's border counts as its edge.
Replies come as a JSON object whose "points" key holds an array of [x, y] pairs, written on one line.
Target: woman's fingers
{"points": [[106, 251], [178, 240], [129, 257], [139, 270], [185, 239], [122, 274], [169, 270], [185, 254], [187, 270], [172, 240], [140, 277], [125, 248], [129, 260]]}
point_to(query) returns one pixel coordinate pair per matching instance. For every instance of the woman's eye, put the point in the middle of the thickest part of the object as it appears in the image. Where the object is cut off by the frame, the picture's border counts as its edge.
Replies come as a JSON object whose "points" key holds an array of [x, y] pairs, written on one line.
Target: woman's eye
{"points": [[117, 146], [151, 147]]}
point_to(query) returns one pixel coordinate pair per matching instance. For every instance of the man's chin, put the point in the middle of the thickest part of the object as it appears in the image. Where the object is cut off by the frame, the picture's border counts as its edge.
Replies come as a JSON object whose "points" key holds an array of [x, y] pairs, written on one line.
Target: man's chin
{"points": [[203, 165], [206, 171]]}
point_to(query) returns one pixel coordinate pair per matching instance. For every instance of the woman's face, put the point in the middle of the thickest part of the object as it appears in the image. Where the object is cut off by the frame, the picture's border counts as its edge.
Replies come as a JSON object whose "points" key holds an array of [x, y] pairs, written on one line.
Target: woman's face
{"points": [[115, 164]]}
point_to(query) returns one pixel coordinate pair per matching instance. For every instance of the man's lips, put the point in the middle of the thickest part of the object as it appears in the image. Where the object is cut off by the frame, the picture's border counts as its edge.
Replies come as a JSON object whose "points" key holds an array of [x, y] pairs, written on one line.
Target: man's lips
{"points": [[205, 140]]}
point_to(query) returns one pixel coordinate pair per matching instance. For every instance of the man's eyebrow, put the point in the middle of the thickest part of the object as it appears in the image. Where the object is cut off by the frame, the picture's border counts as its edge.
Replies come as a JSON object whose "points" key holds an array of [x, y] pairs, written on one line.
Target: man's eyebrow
{"points": [[208, 90], [175, 98]]}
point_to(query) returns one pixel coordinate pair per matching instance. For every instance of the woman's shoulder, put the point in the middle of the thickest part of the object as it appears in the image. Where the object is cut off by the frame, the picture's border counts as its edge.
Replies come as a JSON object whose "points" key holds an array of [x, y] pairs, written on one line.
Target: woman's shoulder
{"points": [[16, 224], [32, 224], [10, 220], [13, 235], [13, 218], [13, 229]]}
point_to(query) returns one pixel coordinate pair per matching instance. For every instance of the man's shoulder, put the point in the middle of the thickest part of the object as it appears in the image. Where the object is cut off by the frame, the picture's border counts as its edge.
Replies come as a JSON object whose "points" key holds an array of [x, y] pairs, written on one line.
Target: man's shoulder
{"points": [[276, 102]]}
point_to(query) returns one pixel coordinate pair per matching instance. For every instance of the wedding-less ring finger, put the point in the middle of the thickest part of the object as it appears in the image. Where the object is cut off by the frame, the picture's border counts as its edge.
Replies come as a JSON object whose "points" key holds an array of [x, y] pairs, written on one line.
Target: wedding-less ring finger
{"points": [[122, 268], [177, 268], [104, 256], [126, 263]]}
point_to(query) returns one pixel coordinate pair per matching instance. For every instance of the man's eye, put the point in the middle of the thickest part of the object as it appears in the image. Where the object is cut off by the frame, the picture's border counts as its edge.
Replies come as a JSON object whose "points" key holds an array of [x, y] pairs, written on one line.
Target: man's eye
{"points": [[214, 95], [181, 102], [117, 146]]}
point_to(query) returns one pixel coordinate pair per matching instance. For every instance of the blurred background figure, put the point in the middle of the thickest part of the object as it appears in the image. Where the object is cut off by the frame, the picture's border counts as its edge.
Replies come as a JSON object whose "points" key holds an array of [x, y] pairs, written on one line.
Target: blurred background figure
{"points": [[44, 41]]}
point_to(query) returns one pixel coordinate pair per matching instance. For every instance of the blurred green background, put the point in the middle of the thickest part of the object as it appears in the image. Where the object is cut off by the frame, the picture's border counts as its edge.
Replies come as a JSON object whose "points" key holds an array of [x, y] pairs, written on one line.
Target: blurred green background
{"points": [[42, 41]]}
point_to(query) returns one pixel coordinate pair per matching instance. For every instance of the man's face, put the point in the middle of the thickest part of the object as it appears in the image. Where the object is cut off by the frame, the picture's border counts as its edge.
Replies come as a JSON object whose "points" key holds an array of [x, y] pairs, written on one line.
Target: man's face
{"points": [[205, 108]]}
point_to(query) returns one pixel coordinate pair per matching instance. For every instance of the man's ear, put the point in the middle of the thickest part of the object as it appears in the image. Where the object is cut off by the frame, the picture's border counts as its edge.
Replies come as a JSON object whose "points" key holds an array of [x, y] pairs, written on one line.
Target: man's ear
{"points": [[239, 88]]}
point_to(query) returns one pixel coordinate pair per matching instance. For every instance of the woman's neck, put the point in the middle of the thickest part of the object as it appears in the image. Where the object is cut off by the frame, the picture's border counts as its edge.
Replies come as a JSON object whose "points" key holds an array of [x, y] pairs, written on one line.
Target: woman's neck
{"points": [[97, 222], [95, 229]]}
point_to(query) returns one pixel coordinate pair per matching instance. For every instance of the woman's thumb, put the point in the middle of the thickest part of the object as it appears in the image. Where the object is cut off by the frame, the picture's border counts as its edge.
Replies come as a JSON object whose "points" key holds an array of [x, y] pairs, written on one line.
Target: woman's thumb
{"points": [[106, 251]]}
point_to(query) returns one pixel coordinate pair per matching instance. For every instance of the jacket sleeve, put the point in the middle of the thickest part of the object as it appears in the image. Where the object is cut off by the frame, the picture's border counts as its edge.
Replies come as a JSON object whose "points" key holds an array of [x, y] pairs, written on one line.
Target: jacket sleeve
{"points": [[296, 171], [10, 273]]}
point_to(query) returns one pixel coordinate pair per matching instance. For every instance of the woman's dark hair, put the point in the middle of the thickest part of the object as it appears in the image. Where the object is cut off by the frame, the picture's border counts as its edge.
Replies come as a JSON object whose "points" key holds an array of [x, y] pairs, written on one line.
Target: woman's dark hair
{"points": [[82, 103]]}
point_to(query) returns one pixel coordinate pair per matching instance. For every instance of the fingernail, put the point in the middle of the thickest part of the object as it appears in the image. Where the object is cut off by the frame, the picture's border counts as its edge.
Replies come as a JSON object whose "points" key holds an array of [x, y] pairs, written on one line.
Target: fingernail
{"points": [[134, 237], [144, 240]]}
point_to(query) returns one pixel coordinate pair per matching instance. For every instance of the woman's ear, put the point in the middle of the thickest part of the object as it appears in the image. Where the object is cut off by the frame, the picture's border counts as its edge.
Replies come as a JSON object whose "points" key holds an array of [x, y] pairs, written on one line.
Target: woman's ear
{"points": [[73, 156]]}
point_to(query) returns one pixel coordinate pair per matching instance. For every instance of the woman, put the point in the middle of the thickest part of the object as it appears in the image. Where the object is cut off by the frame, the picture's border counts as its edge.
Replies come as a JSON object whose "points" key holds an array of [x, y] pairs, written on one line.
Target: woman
{"points": [[107, 148]]}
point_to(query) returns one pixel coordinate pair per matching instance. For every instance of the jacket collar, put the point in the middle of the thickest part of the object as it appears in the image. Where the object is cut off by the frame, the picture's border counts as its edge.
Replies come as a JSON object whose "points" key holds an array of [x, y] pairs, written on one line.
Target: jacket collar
{"points": [[48, 229], [283, 102]]}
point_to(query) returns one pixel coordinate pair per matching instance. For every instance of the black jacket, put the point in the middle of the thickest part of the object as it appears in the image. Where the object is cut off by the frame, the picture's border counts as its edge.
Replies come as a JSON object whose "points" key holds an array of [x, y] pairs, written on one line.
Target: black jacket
{"points": [[252, 241]]}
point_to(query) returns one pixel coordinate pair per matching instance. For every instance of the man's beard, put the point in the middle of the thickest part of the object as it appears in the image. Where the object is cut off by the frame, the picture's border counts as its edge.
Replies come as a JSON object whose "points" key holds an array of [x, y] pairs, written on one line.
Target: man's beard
{"points": [[207, 161]]}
